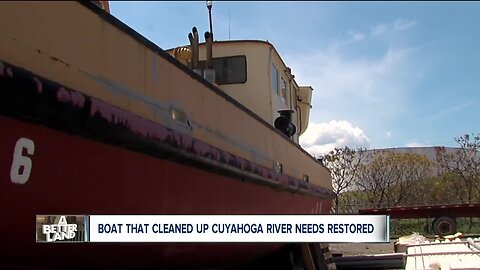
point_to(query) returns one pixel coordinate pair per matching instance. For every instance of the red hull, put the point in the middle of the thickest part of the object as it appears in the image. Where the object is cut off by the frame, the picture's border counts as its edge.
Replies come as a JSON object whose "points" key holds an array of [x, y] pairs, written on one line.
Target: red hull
{"points": [[72, 175], [92, 158]]}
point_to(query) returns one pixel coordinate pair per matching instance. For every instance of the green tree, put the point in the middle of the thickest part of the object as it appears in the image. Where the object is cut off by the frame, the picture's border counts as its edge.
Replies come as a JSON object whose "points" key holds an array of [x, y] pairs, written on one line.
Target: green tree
{"points": [[461, 169], [351, 201], [343, 164], [392, 178]]}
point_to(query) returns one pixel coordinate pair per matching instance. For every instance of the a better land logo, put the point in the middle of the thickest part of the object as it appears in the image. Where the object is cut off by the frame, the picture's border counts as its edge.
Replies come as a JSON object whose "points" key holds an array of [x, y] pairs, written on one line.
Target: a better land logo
{"points": [[60, 231], [56, 228]]}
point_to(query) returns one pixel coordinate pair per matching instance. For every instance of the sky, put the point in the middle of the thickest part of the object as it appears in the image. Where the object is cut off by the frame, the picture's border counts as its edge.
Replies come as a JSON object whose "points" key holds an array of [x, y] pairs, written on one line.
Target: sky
{"points": [[384, 74]]}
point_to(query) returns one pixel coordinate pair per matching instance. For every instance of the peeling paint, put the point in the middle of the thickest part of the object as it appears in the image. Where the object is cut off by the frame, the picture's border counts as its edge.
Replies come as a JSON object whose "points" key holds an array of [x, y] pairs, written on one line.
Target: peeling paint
{"points": [[63, 95], [9, 72], [38, 84], [116, 126], [164, 108]]}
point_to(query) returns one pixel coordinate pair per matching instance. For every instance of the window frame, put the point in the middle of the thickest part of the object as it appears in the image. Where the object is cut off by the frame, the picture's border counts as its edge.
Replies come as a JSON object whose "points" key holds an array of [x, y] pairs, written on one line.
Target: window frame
{"points": [[283, 90], [277, 87], [202, 65]]}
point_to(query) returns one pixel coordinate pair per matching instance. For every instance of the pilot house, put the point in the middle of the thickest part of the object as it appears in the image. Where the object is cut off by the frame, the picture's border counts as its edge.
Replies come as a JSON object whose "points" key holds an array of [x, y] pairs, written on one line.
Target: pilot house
{"points": [[253, 73]]}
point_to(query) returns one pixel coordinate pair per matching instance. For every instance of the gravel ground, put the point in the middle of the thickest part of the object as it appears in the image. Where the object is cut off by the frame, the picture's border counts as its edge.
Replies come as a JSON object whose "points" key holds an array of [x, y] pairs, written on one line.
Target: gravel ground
{"points": [[362, 248]]}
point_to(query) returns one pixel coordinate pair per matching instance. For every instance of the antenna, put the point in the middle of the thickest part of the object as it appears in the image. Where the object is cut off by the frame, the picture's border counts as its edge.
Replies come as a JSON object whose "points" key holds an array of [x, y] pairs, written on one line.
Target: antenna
{"points": [[209, 6]]}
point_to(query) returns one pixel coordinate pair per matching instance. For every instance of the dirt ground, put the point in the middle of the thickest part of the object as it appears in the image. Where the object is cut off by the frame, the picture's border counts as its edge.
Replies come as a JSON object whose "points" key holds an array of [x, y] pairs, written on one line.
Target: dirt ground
{"points": [[350, 249]]}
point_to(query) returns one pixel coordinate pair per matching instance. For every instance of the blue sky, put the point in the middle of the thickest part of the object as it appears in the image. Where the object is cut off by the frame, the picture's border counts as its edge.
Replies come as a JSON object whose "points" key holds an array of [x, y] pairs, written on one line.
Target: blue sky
{"points": [[384, 74]]}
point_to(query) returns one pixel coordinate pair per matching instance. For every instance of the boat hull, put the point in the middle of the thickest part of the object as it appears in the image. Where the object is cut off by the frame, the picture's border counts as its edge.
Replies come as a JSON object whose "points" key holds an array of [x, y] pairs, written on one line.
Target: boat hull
{"points": [[63, 152], [72, 175]]}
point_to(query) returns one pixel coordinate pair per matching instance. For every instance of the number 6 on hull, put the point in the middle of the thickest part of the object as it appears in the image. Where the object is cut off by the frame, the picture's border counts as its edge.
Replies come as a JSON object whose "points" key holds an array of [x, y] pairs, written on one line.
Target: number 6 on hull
{"points": [[22, 165]]}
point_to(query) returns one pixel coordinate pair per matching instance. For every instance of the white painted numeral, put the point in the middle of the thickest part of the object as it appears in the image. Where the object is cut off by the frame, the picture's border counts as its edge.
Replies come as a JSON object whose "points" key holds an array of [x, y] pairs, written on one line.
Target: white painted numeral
{"points": [[22, 165]]}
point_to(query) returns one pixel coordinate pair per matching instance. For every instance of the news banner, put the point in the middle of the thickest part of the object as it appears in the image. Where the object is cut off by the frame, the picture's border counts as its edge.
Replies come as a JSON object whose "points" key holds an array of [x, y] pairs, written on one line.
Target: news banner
{"points": [[213, 228]]}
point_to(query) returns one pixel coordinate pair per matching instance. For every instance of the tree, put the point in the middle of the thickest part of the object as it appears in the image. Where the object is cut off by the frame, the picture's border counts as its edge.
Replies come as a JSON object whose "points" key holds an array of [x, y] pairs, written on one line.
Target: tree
{"points": [[461, 169], [343, 164], [392, 178], [439, 190], [350, 201], [373, 178], [413, 171]]}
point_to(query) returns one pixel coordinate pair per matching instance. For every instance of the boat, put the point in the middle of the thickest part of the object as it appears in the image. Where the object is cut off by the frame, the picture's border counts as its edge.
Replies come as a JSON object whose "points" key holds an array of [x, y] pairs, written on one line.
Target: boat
{"points": [[96, 119]]}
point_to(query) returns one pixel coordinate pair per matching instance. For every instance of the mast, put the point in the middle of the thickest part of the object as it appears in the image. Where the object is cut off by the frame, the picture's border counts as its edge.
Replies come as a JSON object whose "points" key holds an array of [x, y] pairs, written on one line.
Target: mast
{"points": [[209, 6]]}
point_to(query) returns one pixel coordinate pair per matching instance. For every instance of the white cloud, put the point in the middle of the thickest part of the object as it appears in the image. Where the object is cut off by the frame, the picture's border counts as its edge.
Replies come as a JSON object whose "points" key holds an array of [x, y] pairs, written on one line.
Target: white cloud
{"points": [[448, 111], [321, 138], [396, 26], [359, 80], [388, 134], [356, 36], [402, 24], [378, 29], [370, 90]]}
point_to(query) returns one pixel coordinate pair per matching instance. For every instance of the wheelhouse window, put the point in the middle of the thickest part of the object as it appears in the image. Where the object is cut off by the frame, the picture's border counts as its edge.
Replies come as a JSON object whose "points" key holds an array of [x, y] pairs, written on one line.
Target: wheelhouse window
{"points": [[283, 89], [229, 70], [274, 77]]}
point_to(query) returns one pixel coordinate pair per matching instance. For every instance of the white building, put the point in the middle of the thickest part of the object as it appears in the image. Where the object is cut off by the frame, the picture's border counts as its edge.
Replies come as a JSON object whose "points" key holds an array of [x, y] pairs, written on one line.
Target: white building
{"points": [[431, 152]]}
